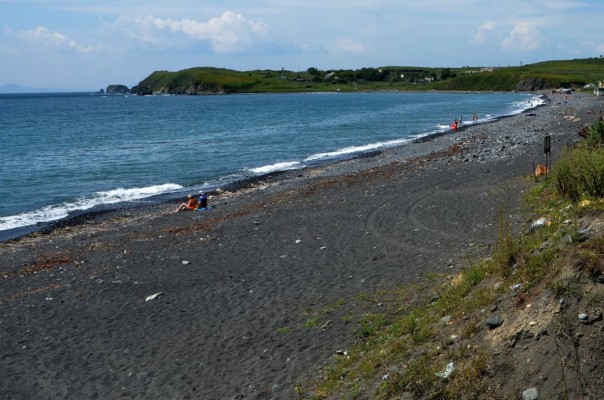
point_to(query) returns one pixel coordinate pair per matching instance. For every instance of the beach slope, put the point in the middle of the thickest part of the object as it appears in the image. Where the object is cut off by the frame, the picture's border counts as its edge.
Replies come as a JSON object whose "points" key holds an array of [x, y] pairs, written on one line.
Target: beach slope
{"points": [[255, 296]]}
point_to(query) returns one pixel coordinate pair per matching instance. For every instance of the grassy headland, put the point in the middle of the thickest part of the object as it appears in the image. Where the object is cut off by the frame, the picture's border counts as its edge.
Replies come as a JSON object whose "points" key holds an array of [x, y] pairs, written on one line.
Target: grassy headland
{"points": [[543, 75]]}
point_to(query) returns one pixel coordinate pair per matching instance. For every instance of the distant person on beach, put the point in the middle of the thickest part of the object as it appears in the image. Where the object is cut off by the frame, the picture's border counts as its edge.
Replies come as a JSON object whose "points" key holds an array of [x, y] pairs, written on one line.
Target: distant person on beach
{"points": [[190, 205], [203, 201], [474, 117]]}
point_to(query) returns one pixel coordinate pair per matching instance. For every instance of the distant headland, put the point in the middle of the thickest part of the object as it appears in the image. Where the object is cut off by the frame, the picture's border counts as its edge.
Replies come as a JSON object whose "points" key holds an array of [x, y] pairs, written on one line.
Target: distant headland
{"points": [[576, 73]]}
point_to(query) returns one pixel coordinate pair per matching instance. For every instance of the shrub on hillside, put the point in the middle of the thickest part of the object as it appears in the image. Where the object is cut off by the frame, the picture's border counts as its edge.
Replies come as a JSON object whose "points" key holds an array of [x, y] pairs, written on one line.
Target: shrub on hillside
{"points": [[580, 171], [595, 135]]}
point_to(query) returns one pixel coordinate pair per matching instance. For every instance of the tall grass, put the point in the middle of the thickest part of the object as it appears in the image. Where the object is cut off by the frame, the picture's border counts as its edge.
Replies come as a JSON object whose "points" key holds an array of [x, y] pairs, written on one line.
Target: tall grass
{"points": [[504, 252], [580, 171], [595, 135]]}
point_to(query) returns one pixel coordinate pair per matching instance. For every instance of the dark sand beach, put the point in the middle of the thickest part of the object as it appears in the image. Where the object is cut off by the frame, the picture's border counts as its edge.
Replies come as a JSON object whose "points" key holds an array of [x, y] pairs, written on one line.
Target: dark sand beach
{"points": [[254, 293]]}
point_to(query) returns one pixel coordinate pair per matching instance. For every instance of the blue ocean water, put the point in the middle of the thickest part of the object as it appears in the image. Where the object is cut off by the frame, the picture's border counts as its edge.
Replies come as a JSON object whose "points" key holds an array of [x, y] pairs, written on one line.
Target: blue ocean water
{"points": [[65, 153]]}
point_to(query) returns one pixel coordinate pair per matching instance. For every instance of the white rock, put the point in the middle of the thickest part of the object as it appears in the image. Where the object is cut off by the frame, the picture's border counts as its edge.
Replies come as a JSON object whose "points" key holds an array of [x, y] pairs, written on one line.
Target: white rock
{"points": [[539, 223], [154, 296], [530, 394], [449, 369]]}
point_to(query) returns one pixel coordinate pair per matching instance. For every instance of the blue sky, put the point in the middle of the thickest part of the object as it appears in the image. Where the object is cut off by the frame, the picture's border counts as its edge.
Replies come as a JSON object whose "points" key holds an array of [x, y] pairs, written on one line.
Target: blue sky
{"points": [[89, 44]]}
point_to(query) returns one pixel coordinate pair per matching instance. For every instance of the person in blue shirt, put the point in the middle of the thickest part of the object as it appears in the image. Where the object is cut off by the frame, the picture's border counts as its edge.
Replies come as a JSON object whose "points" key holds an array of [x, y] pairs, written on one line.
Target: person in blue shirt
{"points": [[203, 201]]}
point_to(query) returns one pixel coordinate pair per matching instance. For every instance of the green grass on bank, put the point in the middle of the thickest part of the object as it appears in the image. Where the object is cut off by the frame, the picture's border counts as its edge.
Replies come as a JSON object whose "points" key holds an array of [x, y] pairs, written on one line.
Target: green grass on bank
{"points": [[580, 172], [550, 74], [405, 349], [207, 80]]}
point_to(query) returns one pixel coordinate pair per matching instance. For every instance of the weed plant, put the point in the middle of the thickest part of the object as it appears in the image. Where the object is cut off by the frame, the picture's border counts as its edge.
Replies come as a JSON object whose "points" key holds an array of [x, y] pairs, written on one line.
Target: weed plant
{"points": [[505, 246], [595, 135], [580, 171]]}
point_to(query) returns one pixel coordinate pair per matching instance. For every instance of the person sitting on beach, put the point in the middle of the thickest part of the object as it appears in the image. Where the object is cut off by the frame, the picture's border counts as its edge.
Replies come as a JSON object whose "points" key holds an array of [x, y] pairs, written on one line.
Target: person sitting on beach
{"points": [[203, 201], [190, 205]]}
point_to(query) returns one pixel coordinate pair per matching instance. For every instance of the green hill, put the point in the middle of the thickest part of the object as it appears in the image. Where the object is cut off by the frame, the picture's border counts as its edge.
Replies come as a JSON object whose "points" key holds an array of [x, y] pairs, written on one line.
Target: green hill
{"points": [[543, 75], [201, 80], [538, 76]]}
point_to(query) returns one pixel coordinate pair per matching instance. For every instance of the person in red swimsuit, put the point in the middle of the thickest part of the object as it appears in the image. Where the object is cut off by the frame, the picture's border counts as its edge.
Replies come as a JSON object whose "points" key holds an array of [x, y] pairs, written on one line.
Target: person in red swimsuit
{"points": [[190, 205]]}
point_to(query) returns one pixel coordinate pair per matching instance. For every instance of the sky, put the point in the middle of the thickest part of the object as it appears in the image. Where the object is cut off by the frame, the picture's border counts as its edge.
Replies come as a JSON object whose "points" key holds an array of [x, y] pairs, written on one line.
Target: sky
{"points": [[90, 44]]}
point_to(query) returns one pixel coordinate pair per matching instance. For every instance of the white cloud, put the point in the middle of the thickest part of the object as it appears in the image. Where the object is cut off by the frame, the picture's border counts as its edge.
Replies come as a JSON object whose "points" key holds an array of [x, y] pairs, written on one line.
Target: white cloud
{"points": [[44, 36], [228, 33], [524, 36], [590, 46], [480, 36], [350, 46]]}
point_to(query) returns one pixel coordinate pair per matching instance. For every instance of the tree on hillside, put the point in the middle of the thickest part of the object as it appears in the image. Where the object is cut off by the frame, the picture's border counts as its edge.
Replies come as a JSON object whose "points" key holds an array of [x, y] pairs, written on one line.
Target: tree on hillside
{"points": [[370, 75], [315, 74], [446, 73]]}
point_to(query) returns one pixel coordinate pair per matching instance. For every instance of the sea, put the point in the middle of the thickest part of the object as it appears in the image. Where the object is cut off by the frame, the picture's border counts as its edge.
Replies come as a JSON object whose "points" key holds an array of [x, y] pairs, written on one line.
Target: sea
{"points": [[63, 154]]}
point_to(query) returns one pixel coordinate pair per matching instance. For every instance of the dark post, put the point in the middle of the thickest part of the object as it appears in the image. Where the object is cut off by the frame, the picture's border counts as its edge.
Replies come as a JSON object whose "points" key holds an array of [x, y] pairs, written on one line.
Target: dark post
{"points": [[547, 148]]}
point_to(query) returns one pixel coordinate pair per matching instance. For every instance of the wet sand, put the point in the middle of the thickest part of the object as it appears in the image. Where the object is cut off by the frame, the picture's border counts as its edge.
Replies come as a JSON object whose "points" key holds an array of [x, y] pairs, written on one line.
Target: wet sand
{"points": [[257, 294]]}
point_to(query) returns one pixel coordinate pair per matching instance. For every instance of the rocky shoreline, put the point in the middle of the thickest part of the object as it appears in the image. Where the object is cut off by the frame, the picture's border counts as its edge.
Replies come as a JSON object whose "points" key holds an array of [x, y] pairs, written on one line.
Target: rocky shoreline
{"points": [[252, 298]]}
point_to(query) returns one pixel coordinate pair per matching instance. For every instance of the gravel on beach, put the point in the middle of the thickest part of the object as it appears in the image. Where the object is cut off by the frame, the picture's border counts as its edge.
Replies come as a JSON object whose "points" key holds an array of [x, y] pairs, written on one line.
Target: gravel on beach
{"points": [[249, 299]]}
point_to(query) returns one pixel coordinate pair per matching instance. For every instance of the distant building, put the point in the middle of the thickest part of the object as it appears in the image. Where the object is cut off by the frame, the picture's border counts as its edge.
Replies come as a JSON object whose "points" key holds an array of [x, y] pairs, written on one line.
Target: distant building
{"points": [[476, 71]]}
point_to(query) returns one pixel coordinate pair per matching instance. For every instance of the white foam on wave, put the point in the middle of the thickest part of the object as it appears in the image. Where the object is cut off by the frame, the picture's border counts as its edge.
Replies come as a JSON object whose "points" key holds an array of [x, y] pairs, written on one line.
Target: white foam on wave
{"points": [[281, 166], [346, 151], [532, 102], [120, 194], [341, 153], [57, 212]]}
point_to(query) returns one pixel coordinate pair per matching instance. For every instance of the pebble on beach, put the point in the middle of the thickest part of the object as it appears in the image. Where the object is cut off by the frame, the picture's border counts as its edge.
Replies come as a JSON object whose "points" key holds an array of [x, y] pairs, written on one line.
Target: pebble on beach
{"points": [[494, 321], [530, 394]]}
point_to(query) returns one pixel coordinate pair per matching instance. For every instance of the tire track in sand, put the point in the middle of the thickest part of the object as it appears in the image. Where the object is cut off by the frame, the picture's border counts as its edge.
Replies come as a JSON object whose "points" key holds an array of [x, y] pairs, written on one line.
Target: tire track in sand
{"points": [[434, 217]]}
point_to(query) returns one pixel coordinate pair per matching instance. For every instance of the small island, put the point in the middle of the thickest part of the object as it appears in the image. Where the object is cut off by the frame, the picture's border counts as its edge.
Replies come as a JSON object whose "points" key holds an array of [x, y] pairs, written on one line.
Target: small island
{"points": [[117, 89]]}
